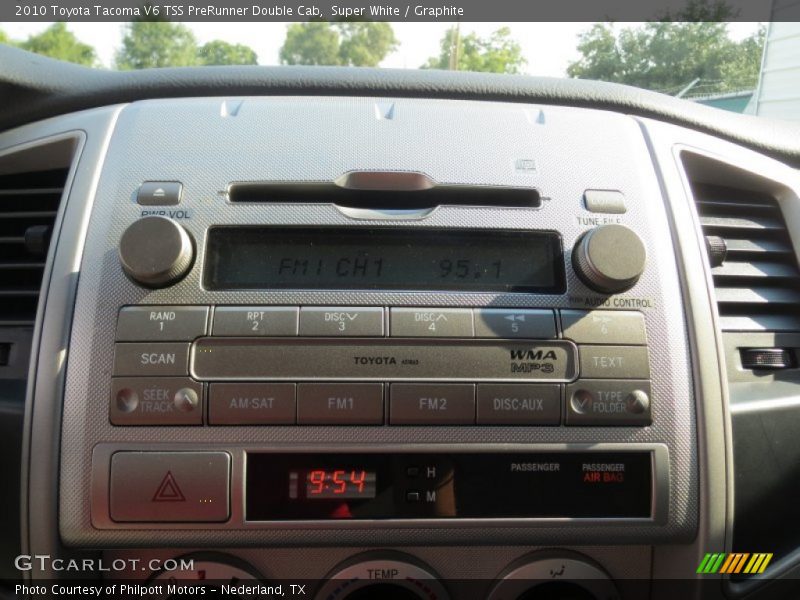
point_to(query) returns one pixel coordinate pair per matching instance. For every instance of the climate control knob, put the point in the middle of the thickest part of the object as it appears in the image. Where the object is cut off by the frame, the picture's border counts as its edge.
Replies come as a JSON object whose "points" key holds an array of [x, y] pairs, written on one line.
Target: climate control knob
{"points": [[554, 576], [609, 258], [390, 576], [156, 252]]}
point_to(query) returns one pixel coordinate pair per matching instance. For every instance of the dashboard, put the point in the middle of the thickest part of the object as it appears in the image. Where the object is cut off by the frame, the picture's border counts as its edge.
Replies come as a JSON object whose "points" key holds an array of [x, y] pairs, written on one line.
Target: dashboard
{"points": [[432, 343]]}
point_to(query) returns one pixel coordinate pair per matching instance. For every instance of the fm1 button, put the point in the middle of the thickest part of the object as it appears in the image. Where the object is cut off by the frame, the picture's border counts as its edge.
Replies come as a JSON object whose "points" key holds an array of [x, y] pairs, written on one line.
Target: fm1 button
{"points": [[170, 487], [340, 404]]}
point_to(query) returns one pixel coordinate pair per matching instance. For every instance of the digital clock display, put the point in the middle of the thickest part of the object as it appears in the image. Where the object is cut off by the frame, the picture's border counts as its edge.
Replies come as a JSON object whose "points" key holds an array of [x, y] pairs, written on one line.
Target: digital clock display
{"points": [[384, 259], [332, 483]]}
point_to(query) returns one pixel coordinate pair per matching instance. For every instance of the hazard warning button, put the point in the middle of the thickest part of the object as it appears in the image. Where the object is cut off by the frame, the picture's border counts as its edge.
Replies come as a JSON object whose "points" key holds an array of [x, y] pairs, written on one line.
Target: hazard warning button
{"points": [[170, 487]]}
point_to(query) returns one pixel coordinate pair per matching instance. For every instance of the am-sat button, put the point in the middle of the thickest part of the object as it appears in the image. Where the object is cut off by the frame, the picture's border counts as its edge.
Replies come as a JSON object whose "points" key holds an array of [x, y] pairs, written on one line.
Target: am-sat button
{"points": [[251, 404]]}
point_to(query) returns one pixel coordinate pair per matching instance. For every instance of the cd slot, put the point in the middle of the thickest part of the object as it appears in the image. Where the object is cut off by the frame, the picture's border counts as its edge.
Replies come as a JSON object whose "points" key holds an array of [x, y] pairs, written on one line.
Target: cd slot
{"points": [[391, 359], [384, 199]]}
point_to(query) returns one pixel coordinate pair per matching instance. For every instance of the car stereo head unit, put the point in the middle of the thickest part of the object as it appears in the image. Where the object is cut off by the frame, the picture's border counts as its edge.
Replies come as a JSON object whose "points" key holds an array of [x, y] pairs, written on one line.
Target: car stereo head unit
{"points": [[272, 340]]}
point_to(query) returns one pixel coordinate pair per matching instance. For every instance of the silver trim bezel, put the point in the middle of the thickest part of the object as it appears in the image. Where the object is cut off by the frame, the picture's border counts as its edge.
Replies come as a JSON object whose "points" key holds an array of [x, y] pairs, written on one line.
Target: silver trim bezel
{"points": [[101, 461]]}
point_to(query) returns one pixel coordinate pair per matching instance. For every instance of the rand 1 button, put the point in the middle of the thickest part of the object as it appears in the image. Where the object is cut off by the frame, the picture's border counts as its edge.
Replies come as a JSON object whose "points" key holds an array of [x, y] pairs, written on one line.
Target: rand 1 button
{"points": [[341, 321], [340, 404], [153, 359], [431, 322], [608, 402], [614, 362], [511, 323], [434, 404], [604, 327], [519, 404], [255, 320], [161, 323], [156, 401], [170, 487], [252, 404]]}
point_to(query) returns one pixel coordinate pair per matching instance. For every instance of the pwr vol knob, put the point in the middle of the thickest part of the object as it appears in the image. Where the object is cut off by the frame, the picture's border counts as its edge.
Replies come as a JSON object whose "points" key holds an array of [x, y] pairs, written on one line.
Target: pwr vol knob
{"points": [[156, 252], [609, 258]]}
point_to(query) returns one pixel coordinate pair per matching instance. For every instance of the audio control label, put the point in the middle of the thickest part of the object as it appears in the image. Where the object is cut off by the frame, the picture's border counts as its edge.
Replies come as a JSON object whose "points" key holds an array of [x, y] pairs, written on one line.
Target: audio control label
{"points": [[310, 359]]}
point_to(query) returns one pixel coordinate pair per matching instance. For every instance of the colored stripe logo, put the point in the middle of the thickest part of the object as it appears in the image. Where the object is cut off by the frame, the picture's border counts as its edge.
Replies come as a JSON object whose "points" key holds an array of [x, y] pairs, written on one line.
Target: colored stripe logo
{"points": [[734, 562]]}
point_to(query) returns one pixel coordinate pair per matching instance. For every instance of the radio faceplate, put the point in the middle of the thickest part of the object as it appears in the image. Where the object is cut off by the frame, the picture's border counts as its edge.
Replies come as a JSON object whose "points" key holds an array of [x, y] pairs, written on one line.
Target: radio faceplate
{"points": [[112, 311]]}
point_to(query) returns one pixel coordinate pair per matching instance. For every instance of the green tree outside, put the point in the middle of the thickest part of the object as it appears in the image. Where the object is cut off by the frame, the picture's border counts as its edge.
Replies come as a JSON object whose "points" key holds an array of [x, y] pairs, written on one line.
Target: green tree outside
{"points": [[4, 38], [149, 44], [58, 42], [314, 43], [352, 43], [495, 53], [218, 52], [668, 56]]}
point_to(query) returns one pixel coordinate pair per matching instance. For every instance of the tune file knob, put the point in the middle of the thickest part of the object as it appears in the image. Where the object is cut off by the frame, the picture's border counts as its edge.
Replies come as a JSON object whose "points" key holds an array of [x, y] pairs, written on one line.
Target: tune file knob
{"points": [[156, 252], [609, 258]]}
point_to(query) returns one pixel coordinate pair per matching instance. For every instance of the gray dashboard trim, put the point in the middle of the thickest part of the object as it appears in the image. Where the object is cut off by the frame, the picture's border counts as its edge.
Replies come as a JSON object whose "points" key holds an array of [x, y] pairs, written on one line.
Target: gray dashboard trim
{"points": [[40, 87], [101, 461], [41, 443]]}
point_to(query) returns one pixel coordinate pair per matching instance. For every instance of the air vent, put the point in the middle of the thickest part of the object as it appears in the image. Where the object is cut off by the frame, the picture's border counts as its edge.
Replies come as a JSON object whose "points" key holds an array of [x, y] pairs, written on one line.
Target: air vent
{"points": [[756, 276], [28, 206]]}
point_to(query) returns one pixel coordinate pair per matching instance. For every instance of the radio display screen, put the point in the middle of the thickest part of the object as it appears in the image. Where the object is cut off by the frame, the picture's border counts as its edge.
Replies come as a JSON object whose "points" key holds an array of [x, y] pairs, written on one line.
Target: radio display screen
{"points": [[329, 258]]}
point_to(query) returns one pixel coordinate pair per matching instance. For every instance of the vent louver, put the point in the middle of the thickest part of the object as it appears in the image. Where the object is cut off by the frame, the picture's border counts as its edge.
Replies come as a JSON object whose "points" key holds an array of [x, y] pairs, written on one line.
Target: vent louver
{"points": [[757, 285], [28, 205]]}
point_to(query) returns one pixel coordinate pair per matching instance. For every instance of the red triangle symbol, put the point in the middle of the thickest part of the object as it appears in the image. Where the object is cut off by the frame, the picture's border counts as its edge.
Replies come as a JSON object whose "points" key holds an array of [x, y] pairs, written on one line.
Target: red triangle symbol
{"points": [[168, 490]]}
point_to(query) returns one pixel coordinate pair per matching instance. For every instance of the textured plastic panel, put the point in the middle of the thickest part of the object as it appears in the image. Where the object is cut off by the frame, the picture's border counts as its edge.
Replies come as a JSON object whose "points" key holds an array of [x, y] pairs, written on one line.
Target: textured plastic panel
{"points": [[561, 152]]}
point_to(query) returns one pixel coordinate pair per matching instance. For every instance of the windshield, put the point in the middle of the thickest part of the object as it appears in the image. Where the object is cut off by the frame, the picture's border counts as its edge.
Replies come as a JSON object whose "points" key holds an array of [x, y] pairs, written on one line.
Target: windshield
{"points": [[727, 65]]}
